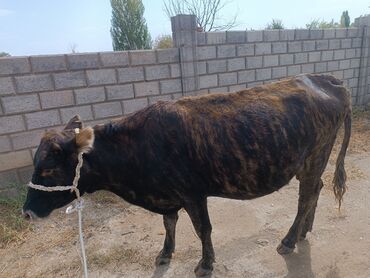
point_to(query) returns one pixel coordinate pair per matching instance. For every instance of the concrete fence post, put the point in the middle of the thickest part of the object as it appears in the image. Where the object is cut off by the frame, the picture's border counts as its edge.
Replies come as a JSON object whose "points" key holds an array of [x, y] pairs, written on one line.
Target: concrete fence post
{"points": [[184, 34], [363, 94]]}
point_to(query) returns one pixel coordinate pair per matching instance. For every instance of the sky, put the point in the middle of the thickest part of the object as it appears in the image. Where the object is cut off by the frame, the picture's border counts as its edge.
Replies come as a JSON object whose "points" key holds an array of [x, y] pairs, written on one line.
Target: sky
{"points": [[34, 27]]}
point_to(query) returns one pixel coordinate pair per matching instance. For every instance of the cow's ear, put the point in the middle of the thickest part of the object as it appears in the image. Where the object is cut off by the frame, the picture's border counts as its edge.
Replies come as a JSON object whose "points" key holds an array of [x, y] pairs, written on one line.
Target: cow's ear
{"points": [[73, 123], [85, 139]]}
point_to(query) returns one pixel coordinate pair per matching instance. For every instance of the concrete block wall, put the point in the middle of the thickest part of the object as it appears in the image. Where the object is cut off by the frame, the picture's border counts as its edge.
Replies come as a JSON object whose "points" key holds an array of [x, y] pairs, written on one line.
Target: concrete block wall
{"points": [[43, 92], [233, 60]]}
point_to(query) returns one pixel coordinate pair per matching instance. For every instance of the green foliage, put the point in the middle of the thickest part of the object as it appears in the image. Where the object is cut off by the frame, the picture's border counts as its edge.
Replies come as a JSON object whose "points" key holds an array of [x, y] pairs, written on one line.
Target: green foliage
{"points": [[345, 20], [321, 24], [129, 30], [275, 24], [163, 41], [4, 54]]}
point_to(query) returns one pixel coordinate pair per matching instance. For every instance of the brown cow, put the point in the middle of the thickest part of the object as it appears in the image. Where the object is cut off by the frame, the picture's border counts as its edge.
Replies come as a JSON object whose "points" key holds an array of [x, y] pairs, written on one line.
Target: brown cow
{"points": [[173, 155]]}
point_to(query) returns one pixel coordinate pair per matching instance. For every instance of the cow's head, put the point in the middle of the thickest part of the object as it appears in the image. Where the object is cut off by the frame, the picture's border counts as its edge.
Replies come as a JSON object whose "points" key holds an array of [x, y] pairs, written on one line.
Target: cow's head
{"points": [[55, 163]]}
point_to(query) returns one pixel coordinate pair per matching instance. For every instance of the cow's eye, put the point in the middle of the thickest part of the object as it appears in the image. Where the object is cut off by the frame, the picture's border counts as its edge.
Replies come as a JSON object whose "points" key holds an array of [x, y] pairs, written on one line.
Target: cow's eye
{"points": [[47, 172]]}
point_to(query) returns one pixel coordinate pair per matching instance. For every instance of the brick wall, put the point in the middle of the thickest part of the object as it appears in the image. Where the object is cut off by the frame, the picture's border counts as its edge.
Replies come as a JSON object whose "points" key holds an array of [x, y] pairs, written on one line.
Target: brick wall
{"points": [[43, 92]]}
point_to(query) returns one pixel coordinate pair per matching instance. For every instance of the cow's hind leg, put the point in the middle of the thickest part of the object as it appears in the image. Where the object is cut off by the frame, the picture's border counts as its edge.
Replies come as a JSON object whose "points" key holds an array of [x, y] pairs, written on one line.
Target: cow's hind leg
{"points": [[169, 221], [198, 214]]}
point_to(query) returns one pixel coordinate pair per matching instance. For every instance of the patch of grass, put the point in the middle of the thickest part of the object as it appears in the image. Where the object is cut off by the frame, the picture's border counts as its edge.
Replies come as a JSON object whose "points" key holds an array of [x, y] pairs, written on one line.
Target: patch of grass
{"points": [[12, 224]]}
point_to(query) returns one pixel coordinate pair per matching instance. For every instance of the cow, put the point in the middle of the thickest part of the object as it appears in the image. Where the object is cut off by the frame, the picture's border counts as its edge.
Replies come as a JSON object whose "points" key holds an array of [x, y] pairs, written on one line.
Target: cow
{"points": [[173, 155]]}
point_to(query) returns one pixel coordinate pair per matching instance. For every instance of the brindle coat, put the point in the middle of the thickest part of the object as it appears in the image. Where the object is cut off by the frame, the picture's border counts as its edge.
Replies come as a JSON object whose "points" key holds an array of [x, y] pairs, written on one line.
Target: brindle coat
{"points": [[174, 155]]}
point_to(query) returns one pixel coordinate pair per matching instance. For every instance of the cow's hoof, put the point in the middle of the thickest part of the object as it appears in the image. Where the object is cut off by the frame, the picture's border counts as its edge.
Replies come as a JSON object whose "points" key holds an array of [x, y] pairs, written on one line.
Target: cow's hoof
{"points": [[284, 250], [162, 259], [201, 270]]}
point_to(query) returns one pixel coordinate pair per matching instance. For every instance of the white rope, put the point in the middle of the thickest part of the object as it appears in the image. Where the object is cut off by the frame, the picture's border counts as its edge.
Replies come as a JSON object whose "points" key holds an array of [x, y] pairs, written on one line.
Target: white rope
{"points": [[78, 206]]}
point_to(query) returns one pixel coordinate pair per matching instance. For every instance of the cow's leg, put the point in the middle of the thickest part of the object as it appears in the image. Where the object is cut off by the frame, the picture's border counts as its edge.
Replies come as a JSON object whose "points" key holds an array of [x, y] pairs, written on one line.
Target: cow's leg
{"points": [[198, 213], [169, 221], [307, 227]]}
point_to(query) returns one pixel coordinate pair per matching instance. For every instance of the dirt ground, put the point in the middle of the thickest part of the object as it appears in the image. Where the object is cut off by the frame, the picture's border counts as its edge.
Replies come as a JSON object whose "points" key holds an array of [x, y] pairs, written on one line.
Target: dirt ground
{"points": [[122, 240]]}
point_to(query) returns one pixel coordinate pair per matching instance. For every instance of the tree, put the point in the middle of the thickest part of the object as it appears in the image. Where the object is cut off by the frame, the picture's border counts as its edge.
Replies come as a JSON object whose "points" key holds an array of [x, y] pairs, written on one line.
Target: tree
{"points": [[4, 54], [207, 12], [163, 41], [275, 24], [317, 24], [129, 29], [345, 20]]}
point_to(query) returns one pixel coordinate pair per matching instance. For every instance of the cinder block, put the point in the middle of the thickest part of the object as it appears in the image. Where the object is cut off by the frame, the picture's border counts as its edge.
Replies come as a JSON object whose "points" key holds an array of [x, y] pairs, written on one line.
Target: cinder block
{"points": [[254, 62], [14, 160], [216, 37], [294, 70], [83, 61], [263, 48], [302, 34], [245, 50], [171, 86], [279, 47], [254, 36], [169, 55], [236, 64], [68, 80], [114, 59], [8, 179], [348, 73], [287, 35], [90, 95], [346, 43], [85, 113], [344, 64], [56, 99], [263, 74], [279, 72], [142, 57], [25, 174], [314, 56], [10, 124], [101, 77], [316, 34], [48, 63], [108, 109], [322, 45], [216, 66], [146, 89], [352, 32], [34, 83], [327, 55], [120, 92], [308, 68], [202, 67], [175, 70], [155, 99], [350, 53], [14, 65], [201, 38], [321, 67], [26, 140], [18, 104], [333, 65], [295, 46], [157, 72], [355, 63], [334, 44], [206, 52], [237, 88], [339, 54], [309, 45], [5, 145], [246, 76], [187, 54], [356, 42], [235, 36], [6, 86], [130, 106], [42, 119], [271, 60], [300, 58], [230, 78], [286, 59], [188, 69], [208, 81], [218, 90], [225, 51], [271, 35], [341, 33], [177, 96], [126, 75], [329, 33]]}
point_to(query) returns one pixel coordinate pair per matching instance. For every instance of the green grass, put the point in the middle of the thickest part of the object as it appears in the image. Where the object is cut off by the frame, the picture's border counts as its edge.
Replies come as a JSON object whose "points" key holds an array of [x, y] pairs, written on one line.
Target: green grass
{"points": [[12, 224]]}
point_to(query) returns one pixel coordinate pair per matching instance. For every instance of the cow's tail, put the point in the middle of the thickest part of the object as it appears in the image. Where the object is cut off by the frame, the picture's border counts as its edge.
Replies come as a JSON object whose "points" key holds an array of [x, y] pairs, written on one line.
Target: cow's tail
{"points": [[339, 181]]}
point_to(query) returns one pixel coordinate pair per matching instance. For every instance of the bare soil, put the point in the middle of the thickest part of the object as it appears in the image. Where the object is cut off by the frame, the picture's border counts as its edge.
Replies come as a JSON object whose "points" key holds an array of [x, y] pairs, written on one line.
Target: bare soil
{"points": [[123, 240]]}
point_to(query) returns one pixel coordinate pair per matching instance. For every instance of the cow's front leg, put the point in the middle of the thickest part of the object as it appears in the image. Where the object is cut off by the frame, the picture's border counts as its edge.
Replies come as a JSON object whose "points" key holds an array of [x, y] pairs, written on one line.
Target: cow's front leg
{"points": [[198, 213], [169, 221]]}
